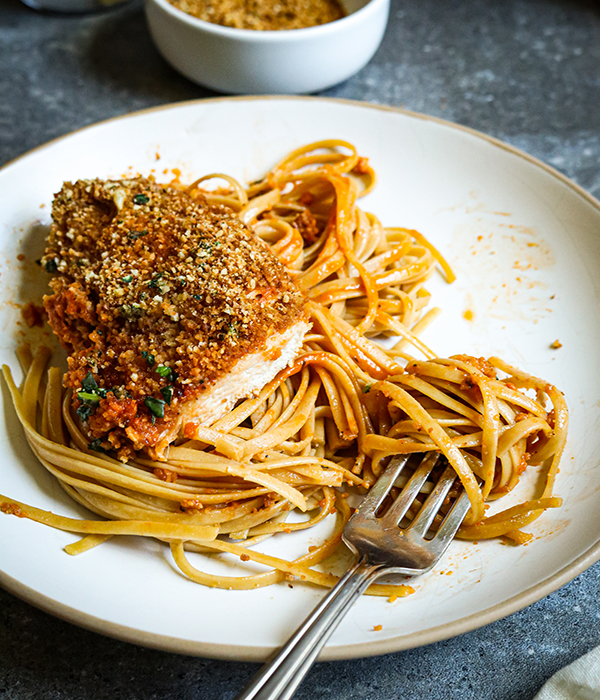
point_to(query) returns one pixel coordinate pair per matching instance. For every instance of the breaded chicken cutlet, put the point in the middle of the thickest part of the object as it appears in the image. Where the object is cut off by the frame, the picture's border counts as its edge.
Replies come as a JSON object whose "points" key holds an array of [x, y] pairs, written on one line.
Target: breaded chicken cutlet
{"points": [[170, 310]]}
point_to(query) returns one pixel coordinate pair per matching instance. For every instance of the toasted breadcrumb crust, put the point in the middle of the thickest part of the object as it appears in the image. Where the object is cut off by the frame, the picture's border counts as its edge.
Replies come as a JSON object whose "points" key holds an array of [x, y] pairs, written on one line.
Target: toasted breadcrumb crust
{"points": [[156, 289]]}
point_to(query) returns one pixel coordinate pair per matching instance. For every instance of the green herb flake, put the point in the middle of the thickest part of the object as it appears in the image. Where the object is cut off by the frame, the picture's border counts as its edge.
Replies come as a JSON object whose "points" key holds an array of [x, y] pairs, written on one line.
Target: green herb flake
{"points": [[127, 279], [155, 406], [51, 265], [167, 392], [155, 277], [141, 199], [130, 311], [120, 393], [366, 388], [88, 398], [164, 371], [197, 297], [89, 383], [158, 283], [96, 446], [233, 330], [149, 357], [84, 412], [134, 235], [91, 393]]}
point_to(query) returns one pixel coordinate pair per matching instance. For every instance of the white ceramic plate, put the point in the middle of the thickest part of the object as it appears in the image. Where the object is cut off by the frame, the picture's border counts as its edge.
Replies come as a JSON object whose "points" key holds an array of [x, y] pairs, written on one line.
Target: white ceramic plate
{"points": [[524, 243]]}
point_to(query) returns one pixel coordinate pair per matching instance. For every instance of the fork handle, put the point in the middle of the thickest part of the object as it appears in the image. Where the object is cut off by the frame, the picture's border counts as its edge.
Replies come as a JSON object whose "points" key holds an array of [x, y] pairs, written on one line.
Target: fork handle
{"points": [[279, 678]]}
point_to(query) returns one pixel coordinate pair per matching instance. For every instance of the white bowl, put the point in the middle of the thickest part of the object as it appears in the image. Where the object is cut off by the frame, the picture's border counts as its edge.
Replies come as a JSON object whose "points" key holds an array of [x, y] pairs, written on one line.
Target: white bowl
{"points": [[260, 62]]}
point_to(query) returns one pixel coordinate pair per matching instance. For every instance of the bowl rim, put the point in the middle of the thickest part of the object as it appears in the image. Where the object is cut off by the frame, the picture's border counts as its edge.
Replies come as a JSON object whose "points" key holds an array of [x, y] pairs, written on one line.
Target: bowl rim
{"points": [[371, 7]]}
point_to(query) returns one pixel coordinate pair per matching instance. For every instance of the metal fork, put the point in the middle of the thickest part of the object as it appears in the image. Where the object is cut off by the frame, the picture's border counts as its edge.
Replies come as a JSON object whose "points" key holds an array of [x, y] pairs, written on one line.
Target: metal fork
{"points": [[382, 548]]}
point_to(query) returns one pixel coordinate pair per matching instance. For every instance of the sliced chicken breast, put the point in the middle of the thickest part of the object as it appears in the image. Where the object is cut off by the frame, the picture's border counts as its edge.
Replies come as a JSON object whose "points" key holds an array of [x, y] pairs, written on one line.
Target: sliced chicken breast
{"points": [[170, 310]]}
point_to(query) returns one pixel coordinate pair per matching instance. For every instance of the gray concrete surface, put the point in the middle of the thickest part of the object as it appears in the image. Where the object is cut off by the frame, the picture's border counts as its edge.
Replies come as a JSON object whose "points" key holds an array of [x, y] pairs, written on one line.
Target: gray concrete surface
{"points": [[526, 71]]}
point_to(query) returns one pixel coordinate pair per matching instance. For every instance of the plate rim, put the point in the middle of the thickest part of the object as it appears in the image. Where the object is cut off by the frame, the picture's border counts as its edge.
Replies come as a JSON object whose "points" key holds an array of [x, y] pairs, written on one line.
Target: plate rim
{"points": [[341, 651]]}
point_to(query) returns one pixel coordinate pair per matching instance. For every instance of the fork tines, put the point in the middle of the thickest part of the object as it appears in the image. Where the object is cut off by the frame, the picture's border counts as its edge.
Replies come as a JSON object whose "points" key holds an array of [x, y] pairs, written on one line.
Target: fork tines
{"points": [[399, 509]]}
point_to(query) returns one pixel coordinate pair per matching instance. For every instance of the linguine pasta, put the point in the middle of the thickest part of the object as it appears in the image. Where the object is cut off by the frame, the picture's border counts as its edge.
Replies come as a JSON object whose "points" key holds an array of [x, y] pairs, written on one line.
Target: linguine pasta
{"points": [[328, 423]]}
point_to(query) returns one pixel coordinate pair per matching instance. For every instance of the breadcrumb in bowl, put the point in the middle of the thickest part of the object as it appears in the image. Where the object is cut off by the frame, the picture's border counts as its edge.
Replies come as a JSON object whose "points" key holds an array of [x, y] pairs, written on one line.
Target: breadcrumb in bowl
{"points": [[288, 61], [263, 14]]}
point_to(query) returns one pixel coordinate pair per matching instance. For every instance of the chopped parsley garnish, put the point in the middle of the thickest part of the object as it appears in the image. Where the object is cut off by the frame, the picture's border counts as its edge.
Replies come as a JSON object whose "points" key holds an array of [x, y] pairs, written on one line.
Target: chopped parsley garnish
{"points": [[366, 388], [158, 283], [51, 265], [149, 357], [167, 392], [89, 383], [96, 446], [164, 371], [120, 392], [233, 330], [134, 235], [127, 279], [141, 199], [130, 311], [155, 406], [84, 412], [196, 296], [88, 398]]}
